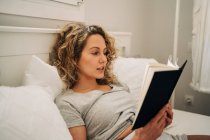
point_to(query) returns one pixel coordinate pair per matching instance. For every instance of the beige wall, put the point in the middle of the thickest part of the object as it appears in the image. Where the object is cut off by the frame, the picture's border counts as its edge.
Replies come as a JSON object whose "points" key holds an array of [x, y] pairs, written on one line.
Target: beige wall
{"points": [[117, 15]]}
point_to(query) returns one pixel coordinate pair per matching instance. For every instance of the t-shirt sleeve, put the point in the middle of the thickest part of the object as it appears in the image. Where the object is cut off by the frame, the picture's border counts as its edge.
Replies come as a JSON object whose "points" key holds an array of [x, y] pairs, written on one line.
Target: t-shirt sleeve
{"points": [[70, 114]]}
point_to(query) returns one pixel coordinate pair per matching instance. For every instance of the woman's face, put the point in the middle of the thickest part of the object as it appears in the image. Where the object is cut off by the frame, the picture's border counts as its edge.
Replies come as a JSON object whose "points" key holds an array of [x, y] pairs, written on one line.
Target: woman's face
{"points": [[93, 59]]}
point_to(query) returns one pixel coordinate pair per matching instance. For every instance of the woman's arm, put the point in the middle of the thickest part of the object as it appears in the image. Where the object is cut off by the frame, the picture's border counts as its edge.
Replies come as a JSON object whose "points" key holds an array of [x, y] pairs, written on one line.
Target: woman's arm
{"points": [[125, 133], [78, 133]]}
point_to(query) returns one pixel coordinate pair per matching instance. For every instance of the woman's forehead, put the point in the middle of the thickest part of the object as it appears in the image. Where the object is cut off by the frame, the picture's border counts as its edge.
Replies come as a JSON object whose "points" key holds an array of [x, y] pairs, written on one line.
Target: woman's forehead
{"points": [[95, 41]]}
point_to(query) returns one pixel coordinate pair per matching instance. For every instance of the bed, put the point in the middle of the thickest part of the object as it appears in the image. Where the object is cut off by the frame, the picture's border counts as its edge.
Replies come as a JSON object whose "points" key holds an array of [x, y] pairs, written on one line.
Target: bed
{"points": [[29, 85]]}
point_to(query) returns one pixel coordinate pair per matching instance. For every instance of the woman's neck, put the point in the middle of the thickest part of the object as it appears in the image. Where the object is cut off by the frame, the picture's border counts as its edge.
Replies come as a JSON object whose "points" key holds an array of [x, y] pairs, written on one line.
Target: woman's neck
{"points": [[85, 86]]}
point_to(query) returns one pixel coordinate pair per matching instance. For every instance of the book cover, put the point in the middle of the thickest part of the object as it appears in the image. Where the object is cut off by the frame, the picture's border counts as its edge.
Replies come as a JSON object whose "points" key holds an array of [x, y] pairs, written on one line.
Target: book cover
{"points": [[158, 85]]}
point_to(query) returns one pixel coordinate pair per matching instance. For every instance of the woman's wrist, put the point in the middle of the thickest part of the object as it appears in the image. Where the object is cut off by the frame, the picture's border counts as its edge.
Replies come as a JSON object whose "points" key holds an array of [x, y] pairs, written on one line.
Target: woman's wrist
{"points": [[125, 133]]}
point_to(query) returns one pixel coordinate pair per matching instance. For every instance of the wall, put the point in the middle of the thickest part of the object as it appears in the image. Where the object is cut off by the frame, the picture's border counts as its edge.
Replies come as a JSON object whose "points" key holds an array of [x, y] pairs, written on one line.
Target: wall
{"points": [[39, 13], [123, 15], [158, 28]]}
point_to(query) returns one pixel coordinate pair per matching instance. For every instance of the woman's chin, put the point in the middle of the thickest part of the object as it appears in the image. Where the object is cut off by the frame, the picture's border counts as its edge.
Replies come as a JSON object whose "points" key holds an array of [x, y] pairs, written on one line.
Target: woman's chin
{"points": [[100, 76]]}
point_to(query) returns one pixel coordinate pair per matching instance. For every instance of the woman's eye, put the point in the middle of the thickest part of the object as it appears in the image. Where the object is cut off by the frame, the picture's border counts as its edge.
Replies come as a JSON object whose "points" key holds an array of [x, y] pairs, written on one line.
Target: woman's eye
{"points": [[106, 53], [95, 53]]}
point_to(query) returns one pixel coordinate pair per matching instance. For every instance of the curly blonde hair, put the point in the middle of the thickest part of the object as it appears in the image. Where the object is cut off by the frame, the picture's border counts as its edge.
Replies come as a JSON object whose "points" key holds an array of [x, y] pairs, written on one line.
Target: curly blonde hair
{"points": [[67, 51]]}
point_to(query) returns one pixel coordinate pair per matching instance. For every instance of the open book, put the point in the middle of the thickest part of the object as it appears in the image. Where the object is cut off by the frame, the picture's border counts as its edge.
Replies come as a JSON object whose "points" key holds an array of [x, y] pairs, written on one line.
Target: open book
{"points": [[157, 88]]}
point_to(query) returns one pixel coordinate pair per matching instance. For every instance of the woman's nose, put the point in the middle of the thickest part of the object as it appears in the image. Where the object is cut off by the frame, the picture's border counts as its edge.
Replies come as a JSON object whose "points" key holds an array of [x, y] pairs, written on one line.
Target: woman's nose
{"points": [[103, 58]]}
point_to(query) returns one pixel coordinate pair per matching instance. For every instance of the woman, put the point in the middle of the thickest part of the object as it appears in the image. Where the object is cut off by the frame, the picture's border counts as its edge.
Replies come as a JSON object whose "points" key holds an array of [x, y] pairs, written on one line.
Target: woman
{"points": [[95, 106]]}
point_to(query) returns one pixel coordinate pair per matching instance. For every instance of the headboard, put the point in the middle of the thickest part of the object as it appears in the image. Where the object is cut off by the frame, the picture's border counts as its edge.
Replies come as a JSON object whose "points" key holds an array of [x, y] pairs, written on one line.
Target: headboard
{"points": [[18, 44]]}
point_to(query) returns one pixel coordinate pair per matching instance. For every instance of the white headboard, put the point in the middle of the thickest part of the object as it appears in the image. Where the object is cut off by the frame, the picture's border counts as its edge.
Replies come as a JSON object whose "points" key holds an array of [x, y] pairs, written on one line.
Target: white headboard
{"points": [[17, 44]]}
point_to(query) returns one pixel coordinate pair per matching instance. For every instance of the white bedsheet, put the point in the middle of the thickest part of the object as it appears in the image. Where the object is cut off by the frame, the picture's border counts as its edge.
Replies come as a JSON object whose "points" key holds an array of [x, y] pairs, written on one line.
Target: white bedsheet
{"points": [[189, 123], [186, 123]]}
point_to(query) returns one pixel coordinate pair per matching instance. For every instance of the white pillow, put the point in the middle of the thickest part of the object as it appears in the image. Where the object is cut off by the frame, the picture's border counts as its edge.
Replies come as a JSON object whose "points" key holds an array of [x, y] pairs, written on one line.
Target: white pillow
{"points": [[130, 71], [42, 74], [28, 113]]}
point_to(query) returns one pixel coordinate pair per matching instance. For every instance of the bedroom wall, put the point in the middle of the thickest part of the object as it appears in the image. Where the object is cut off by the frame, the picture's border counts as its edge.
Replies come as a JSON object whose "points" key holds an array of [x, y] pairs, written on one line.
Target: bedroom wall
{"points": [[39, 13], [123, 15]]}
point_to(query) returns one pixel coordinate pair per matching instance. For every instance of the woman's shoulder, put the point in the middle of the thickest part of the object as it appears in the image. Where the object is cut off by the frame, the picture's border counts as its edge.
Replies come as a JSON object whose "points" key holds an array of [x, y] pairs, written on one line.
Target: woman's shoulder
{"points": [[65, 95], [120, 86]]}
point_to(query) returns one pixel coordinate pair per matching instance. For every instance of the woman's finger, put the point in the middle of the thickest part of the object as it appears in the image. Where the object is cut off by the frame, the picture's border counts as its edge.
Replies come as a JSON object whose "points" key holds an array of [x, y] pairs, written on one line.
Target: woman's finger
{"points": [[160, 114], [169, 112], [162, 122]]}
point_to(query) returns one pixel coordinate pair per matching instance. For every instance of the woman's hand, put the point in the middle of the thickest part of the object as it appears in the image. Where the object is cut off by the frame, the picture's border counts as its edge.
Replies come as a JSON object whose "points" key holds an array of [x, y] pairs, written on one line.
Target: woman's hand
{"points": [[155, 127]]}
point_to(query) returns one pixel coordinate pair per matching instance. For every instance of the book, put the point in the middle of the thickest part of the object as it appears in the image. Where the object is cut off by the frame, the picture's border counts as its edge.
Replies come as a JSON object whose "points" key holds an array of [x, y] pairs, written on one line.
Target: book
{"points": [[157, 87]]}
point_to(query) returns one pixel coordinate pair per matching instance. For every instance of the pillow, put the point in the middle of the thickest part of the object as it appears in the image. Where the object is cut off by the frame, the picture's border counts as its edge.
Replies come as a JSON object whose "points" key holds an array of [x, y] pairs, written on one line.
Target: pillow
{"points": [[130, 72], [28, 113], [42, 74]]}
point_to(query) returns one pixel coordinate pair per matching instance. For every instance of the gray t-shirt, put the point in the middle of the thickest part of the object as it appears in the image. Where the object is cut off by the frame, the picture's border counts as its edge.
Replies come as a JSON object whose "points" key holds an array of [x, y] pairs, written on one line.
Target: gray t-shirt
{"points": [[105, 114]]}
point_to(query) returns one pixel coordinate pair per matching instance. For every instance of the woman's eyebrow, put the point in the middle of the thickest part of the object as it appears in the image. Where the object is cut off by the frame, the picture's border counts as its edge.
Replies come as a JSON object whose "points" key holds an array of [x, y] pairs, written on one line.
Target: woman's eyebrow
{"points": [[95, 47]]}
